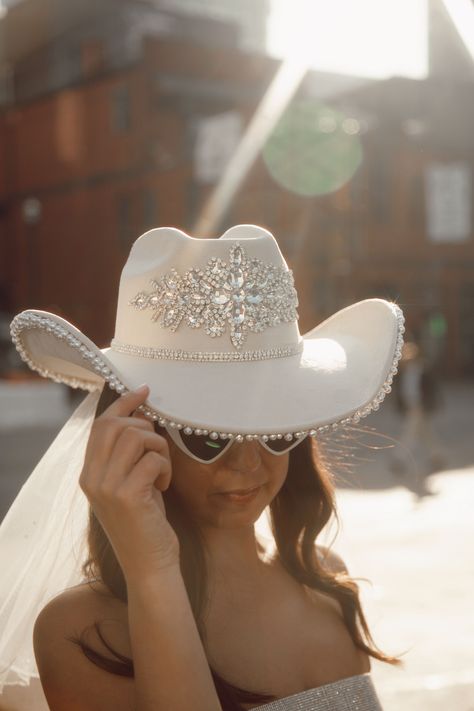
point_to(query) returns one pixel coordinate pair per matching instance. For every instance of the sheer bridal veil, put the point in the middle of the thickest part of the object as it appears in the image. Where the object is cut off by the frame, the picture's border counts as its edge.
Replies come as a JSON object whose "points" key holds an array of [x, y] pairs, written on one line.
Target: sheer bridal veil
{"points": [[42, 549]]}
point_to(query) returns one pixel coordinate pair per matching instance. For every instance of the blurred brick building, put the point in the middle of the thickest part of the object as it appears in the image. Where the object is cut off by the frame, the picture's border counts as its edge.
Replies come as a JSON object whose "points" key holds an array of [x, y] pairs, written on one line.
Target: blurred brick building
{"points": [[98, 134]]}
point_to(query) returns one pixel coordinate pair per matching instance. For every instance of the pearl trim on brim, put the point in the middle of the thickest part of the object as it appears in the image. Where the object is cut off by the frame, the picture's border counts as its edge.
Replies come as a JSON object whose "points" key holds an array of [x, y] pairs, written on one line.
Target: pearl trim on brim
{"points": [[94, 362]]}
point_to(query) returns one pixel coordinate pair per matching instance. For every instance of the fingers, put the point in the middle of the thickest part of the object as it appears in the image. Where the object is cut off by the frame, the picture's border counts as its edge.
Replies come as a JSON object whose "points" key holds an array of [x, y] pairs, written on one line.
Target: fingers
{"points": [[106, 431], [132, 445], [126, 404], [123, 446], [152, 469], [138, 462]]}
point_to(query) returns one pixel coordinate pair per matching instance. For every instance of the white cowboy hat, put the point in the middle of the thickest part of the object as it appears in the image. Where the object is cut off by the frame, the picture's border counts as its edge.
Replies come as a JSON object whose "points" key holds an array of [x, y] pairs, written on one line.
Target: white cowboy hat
{"points": [[211, 326]]}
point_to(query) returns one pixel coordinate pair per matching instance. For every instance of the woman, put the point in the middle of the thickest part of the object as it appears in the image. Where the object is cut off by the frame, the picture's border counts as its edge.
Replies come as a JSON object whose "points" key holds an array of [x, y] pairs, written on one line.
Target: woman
{"points": [[185, 608]]}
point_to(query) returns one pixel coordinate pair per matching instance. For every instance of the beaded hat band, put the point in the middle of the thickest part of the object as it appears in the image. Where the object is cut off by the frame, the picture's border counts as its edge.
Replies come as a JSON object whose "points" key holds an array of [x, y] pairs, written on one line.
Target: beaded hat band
{"points": [[211, 326]]}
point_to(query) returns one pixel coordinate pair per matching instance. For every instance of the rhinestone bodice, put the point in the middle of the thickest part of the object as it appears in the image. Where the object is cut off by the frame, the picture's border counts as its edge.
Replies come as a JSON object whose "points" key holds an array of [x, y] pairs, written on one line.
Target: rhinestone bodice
{"points": [[355, 693]]}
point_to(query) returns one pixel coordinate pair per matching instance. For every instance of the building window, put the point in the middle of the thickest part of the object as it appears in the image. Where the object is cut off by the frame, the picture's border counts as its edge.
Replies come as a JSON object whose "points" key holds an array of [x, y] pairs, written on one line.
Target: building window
{"points": [[466, 309], [92, 57], [380, 188], [416, 201], [121, 109], [382, 290], [124, 222], [149, 209], [6, 85]]}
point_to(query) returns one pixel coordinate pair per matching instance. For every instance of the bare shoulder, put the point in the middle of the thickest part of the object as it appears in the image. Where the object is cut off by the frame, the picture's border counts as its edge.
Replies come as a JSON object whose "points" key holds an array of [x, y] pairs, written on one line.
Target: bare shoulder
{"points": [[334, 562], [70, 680], [331, 560]]}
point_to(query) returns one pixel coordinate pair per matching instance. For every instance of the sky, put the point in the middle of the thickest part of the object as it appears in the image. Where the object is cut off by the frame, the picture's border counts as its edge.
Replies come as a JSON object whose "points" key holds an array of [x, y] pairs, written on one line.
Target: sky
{"points": [[368, 38]]}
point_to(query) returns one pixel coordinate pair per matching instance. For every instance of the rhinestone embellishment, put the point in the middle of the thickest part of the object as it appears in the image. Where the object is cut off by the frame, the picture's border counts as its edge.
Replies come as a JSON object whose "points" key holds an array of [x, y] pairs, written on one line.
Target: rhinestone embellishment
{"points": [[200, 356], [94, 361], [245, 293], [355, 693]]}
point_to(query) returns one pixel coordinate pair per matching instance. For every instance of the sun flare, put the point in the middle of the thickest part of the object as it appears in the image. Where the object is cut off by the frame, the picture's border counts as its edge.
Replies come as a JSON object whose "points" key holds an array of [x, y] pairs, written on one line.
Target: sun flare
{"points": [[369, 38]]}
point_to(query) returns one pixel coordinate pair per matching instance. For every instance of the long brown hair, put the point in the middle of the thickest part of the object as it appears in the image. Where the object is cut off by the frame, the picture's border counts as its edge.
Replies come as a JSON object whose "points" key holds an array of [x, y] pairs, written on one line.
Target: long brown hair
{"points": [[298, 513]]}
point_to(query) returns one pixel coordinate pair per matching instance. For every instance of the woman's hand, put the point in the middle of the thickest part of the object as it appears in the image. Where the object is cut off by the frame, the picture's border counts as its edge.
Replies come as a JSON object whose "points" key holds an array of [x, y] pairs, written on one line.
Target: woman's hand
{"points": [[126, 467]]}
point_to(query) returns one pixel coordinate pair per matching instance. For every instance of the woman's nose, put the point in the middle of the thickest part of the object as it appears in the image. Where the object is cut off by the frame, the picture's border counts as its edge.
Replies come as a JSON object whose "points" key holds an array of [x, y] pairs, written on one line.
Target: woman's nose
{"points": [[245, 456]]}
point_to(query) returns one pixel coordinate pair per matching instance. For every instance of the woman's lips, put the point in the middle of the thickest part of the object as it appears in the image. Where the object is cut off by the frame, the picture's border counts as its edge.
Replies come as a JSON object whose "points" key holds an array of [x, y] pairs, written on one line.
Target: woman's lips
{"points": [[240, 495]]}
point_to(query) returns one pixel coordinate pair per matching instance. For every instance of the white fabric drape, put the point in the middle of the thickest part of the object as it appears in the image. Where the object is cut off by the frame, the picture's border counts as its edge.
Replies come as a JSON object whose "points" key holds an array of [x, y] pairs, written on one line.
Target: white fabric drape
{"points": [[42, 544]]}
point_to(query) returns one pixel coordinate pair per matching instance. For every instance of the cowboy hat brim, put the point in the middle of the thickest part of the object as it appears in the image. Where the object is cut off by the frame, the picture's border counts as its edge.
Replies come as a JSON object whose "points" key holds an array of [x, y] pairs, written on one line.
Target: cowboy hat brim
{"points": [[343, 372]]}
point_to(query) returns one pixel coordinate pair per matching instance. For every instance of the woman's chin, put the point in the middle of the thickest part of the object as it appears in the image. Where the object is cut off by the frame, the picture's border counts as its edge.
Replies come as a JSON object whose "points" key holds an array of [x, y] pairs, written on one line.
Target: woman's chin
{"points": [[232, 511]]}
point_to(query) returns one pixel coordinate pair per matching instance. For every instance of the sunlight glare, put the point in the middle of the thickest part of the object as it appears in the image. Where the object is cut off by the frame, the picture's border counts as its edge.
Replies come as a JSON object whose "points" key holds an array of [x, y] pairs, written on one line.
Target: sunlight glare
{"points": [[462, 15], [369, 38]]}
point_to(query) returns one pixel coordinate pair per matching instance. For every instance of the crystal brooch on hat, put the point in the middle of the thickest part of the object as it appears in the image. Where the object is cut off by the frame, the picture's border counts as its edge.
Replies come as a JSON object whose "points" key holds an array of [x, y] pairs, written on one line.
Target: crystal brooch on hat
{"points": [[246, 293]]}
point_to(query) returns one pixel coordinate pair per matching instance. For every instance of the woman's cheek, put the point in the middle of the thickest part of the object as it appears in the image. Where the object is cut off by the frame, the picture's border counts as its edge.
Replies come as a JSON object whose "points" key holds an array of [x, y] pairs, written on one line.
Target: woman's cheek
{"points": [[280, 466]]}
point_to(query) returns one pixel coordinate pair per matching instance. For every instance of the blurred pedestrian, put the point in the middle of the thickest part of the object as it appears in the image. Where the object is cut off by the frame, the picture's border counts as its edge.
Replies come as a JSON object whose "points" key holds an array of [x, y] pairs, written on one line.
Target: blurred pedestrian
{"points": [[417, 398], [432, 337]]}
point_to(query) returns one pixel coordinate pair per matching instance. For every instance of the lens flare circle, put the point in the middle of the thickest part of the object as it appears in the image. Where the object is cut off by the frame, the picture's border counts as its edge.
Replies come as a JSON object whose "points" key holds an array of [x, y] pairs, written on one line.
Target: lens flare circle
{"points": [[314, 149]]}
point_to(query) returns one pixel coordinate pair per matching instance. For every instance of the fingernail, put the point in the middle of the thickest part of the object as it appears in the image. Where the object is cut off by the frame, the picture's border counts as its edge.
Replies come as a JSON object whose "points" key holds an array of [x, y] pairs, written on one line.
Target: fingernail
{"points": [[141, 388]]}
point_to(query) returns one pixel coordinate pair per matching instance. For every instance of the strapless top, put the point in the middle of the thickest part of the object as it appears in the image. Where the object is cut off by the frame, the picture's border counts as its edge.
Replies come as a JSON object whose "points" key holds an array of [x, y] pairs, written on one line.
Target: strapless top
{"points": [[355, 693]]}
